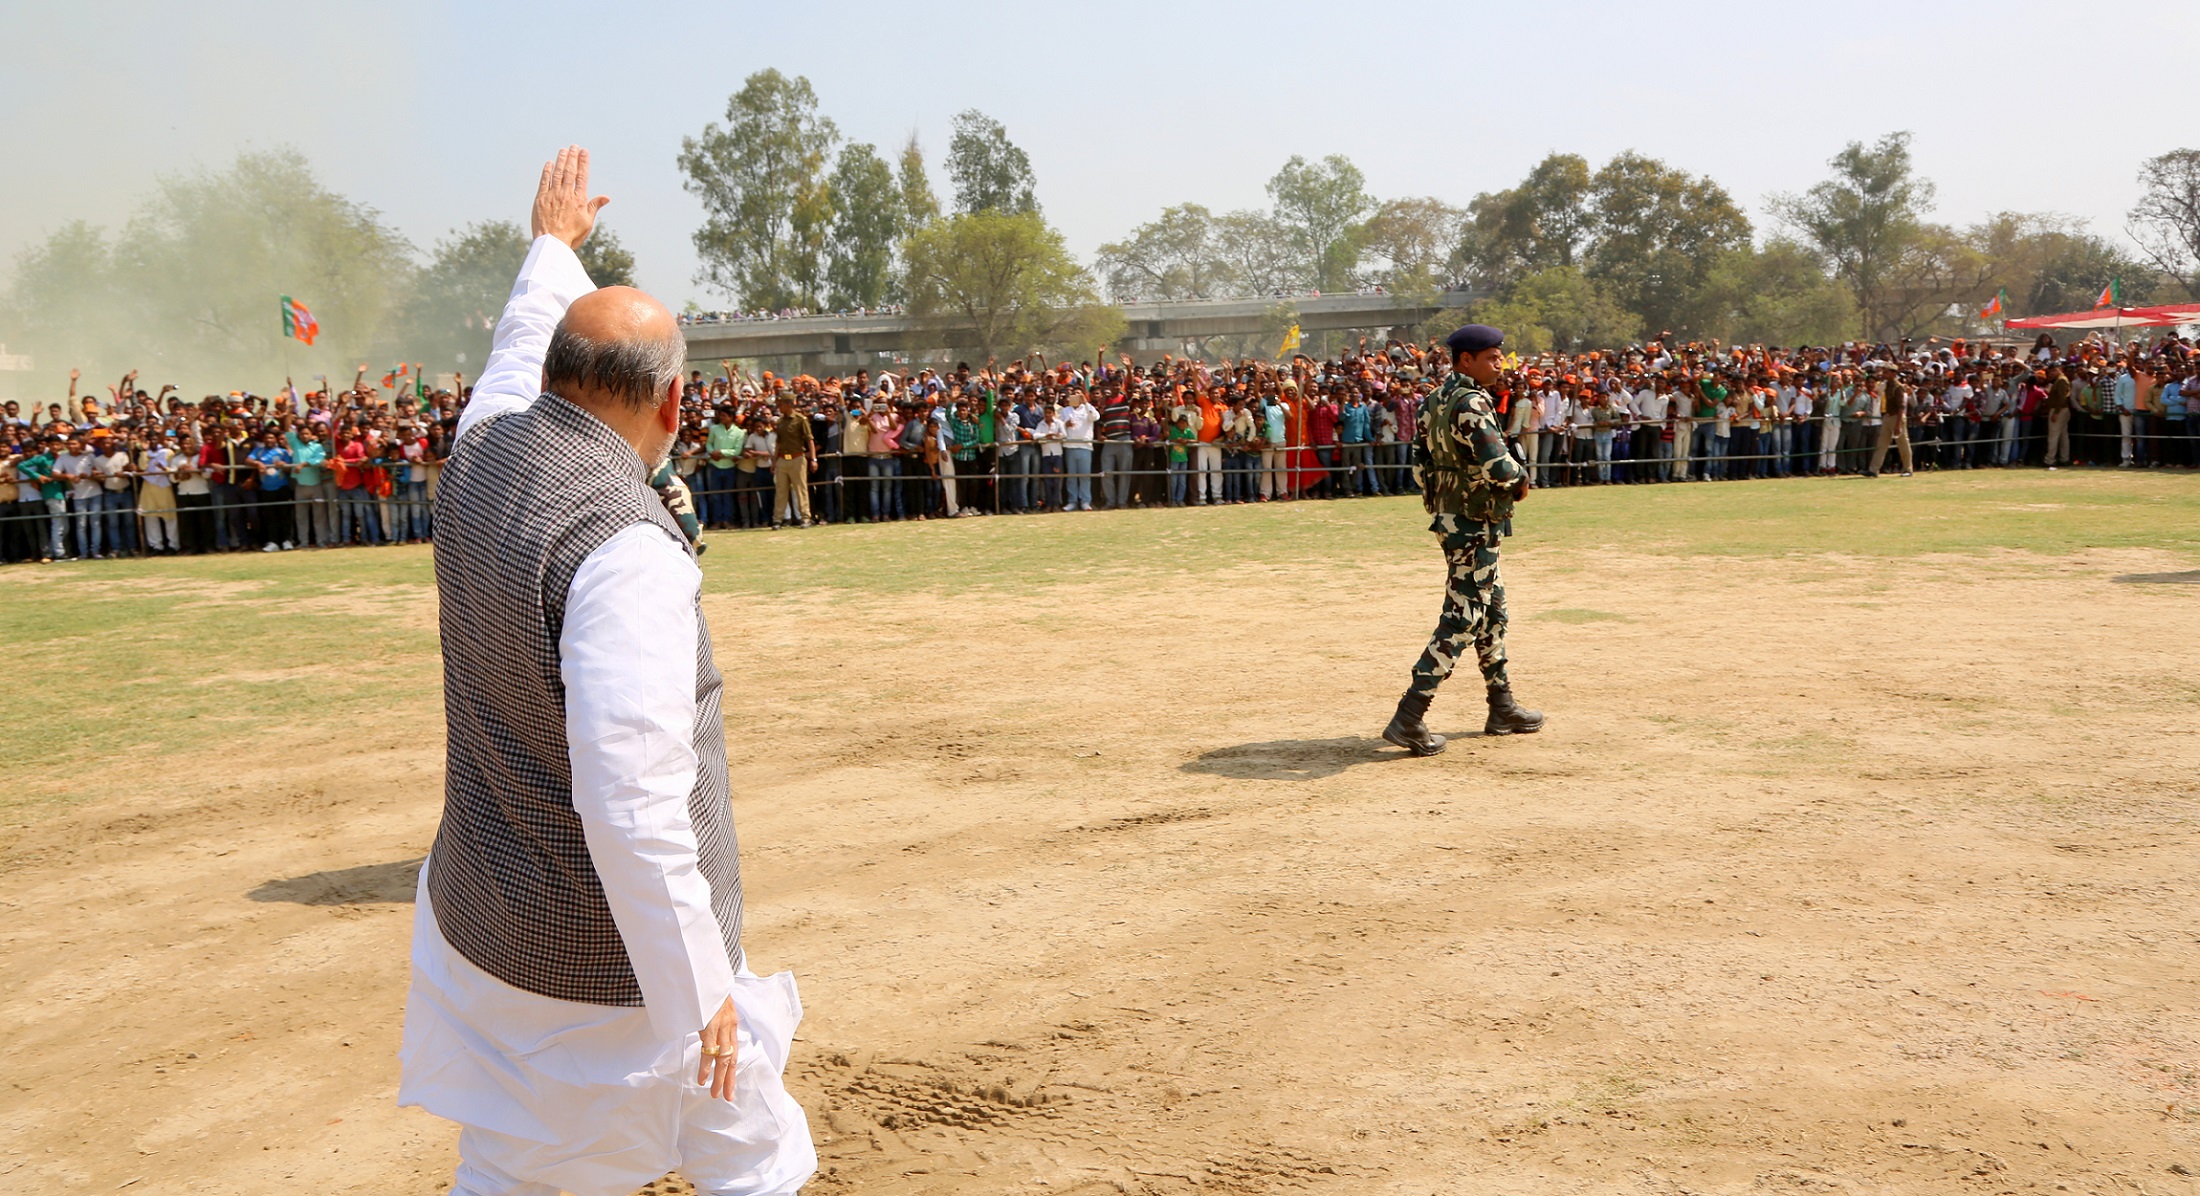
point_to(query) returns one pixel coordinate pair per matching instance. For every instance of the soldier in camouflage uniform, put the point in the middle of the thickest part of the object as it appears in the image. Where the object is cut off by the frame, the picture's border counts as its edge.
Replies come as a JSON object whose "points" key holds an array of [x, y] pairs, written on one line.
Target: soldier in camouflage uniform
{"points": [[679, 503], [1469, 483]]}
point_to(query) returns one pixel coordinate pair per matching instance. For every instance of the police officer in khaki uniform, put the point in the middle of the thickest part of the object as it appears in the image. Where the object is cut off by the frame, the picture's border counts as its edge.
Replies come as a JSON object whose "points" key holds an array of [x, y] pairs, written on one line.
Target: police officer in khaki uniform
{"points": [[796, 450], [1469, 483]]}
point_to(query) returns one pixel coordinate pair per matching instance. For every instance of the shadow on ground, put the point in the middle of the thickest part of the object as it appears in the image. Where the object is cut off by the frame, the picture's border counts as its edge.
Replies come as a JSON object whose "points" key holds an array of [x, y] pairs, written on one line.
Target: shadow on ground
{"points": [[368, 884], [2191, 578], [1292, 759]]}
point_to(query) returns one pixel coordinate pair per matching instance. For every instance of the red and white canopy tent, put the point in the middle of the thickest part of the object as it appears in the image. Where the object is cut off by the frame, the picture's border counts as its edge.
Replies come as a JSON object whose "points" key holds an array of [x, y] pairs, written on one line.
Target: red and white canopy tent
{"points": [[2166, 316]]}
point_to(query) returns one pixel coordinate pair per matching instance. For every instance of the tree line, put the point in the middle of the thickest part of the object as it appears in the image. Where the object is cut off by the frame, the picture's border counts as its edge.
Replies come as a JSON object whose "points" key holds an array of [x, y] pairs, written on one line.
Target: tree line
{"points": [[187, 288], [796, 220], [1577, 256], [1574, 255]]}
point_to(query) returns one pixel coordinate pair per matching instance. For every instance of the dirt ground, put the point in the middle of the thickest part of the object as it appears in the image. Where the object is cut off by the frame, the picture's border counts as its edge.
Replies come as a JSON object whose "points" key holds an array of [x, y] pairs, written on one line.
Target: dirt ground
{"points": [[1828, 875]]}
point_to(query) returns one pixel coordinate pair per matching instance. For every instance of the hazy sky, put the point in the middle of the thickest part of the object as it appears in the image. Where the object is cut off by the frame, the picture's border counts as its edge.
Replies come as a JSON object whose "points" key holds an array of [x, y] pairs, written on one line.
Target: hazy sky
{"points": [[441, 113]]}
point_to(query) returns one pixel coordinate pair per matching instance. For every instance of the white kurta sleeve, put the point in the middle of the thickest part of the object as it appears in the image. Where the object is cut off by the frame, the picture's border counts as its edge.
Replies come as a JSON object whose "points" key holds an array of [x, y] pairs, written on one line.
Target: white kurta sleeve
{"points": [[627, 656], [549, 281]]}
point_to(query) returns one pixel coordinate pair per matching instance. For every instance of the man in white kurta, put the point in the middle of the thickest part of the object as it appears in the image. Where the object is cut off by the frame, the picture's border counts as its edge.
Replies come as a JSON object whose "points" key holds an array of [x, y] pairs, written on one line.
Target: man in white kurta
{"points": [[596, 1099]]}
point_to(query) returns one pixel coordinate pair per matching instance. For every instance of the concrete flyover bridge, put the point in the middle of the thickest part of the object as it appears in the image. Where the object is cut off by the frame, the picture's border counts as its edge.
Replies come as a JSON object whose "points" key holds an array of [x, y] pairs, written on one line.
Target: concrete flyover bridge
{"points": [[848, 342]]}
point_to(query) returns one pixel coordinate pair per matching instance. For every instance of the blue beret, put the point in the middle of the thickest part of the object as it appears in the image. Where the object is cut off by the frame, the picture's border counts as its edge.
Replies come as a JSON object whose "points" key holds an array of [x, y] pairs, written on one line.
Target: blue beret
{"points": [[1474, 338]]}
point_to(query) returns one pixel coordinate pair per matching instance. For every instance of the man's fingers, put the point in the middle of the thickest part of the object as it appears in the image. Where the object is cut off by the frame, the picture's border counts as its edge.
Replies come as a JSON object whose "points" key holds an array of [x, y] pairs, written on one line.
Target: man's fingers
{"points": [[714, 1072], [596, 205]]}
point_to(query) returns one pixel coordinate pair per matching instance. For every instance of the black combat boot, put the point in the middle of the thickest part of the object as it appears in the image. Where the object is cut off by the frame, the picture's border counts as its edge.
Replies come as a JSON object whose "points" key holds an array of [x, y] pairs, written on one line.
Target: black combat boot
{"points": [[1507, 717], [1408, 731]]}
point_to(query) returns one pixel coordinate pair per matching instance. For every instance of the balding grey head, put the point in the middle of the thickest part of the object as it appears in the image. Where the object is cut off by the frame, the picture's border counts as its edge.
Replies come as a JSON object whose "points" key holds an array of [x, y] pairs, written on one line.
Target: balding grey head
{"points": [[617, 343], [637, 373]]}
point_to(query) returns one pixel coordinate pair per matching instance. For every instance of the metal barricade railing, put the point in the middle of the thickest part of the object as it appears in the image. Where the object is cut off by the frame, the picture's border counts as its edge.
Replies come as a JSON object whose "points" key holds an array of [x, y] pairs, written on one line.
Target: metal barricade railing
{"points": [[1041, 481]]}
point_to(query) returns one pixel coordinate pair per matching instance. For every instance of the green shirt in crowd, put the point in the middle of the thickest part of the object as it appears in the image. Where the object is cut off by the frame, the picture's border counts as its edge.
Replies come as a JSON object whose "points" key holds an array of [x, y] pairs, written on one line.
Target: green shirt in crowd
{"points": [[1179, 439], [726, 443], [39, 469], [308, 458]]}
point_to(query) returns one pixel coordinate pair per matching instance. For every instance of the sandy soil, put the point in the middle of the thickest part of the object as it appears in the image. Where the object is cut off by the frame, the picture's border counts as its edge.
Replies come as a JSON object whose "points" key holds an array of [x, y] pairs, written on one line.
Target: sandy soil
{"points": [[1828, 876]]}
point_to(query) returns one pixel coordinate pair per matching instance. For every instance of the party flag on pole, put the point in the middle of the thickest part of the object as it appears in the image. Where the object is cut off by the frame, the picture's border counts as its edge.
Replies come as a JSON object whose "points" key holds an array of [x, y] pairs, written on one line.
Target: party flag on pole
{"points": [[1993, 308], [2112, 295], [298, 323], [1290, 341], [398, 371]]}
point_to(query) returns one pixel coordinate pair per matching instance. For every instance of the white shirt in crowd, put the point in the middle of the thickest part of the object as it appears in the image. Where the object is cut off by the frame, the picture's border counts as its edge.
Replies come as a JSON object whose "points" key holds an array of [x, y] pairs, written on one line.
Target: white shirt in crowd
{"points": [[194, 485], [1555, 409], [112, 468], [1049, 434], [1077, 424], [83, 466], [156, 468]]}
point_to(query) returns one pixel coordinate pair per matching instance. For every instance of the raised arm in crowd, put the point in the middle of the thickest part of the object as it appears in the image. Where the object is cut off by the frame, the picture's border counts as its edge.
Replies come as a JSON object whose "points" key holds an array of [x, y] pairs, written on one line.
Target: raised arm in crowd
{"points": [[152, 473]]}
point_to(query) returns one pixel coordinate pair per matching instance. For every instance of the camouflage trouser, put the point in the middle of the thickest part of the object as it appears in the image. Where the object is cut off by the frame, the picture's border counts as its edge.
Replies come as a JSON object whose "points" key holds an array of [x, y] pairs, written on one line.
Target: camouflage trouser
{"points": [[1474, 612]]}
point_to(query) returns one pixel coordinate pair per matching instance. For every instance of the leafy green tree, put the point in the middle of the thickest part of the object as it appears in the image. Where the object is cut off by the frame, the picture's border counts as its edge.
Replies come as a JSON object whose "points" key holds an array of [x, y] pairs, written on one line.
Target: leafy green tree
{"points": [[1777, 295], [188, 290], [867, 225], [1318, 205], [2051, 263], [1177, 256], [2069, 275], [1868, 223], [1407, 244], [1542, 223], [1560, 308], [919, 206], [450, 308], [2166, 220], [1656, 234], [608, 261], [1010, 281], [990, 172], [67, 308], [766, 201], [1259, 253]]}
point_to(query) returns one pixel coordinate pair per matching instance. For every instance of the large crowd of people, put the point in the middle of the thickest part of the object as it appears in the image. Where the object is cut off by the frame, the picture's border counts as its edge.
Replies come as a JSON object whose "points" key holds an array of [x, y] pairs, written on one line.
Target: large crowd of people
{"points": [[141, 473]]}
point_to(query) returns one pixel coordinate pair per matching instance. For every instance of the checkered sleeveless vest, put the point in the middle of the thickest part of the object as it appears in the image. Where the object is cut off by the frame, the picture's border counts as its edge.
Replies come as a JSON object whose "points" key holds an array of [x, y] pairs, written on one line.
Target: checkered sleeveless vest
{"points": [[525, 498]]}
